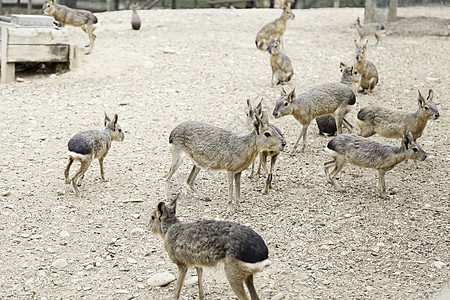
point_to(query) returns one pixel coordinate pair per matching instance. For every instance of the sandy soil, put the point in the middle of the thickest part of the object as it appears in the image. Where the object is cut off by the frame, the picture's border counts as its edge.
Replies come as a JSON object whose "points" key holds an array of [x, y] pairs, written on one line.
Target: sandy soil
{"points": [[203, 65]]}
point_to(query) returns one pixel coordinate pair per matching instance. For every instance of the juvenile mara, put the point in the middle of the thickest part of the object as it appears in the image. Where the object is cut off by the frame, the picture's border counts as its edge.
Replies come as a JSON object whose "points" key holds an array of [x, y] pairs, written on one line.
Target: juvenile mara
{"points": [[330, 98], [368, 29], [207, 243], [367, 153], [273, 30], [282, 70], [74, 17], [87, 145], [393, 124], [211, 147], [368, 71]]}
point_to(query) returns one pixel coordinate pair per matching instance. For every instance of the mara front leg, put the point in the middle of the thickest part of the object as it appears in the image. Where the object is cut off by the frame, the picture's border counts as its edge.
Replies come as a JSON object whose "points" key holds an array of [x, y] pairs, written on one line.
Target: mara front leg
{"points": [[230, 208], [382, 183], [302, 134], [182, 269]]}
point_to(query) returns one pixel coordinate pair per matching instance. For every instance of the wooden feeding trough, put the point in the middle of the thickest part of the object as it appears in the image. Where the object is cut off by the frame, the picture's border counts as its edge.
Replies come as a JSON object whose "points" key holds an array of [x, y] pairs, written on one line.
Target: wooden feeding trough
{"points": [[31, 38]]}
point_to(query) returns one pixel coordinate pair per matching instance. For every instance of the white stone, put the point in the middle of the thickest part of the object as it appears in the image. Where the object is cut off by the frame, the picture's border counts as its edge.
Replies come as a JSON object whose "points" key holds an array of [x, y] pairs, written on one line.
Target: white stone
{"points": [[191, 281], [60, 263], [439, 264], [131, 260], [64, 234], [160, 279], [137, 231], [278, 296]]}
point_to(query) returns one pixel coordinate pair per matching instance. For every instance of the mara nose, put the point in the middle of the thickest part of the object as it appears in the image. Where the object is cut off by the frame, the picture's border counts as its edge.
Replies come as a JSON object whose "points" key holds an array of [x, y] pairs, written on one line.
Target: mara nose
{"points": [[424, 156], [436, 116], [276, 114]]}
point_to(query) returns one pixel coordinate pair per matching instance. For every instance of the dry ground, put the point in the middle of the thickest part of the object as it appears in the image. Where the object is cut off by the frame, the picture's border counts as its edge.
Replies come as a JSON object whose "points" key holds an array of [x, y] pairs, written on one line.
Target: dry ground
{"points": [[203, 65]]}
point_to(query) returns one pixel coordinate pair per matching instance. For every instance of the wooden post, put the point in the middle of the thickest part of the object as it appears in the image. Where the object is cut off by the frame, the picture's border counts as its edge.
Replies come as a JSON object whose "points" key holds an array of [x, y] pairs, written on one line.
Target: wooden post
{"points": [[392, 17], [29, 7], [336, 3], [174, 4], [109, 5], [8, 69], [1, 7], [369, 11]]}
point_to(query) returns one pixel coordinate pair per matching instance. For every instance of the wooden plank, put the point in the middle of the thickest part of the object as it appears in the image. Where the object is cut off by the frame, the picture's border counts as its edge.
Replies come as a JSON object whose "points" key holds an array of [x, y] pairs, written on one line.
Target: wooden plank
{"points": [[7, 69], [38, 53], [39, 36]]}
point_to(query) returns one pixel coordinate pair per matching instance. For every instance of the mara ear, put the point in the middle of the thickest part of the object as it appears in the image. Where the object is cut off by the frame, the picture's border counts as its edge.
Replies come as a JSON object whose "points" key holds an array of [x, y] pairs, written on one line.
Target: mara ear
{"points": [[409, 136], [257, 125], [161, 211], [114, 121], [107, 120], [282, 91], [421, 99], [430, 95], [173, 204], [406, 140], [356, 44], [291, 96], [249, 105], [342, 66], [364, 47], [258, 109]]}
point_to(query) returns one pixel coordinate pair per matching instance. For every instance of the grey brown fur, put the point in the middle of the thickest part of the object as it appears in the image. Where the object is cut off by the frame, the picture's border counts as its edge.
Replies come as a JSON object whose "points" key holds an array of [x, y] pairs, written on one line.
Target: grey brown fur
{"points": [[367, 153], [330, 98], [273, 30], [366, 30], [282, 70], [393, 124], [262, 114], [327, 123], [368, 71], [135, 20], [211, 147], [87, 145], [207, 243], [75, 17]]}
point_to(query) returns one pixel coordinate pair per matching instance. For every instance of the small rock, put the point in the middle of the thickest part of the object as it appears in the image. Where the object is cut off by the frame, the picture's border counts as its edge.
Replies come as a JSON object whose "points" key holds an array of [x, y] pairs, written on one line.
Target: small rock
{"points": [[53, 76], [439, 264], [140, 285], [6, 194], [19, 79], [29, 284], [122, 292], [89, 267], [64, 234], [137, 231], [131, 260], [60, 263], [160, 279], [347, 216], [278, 296], [191, 281]]}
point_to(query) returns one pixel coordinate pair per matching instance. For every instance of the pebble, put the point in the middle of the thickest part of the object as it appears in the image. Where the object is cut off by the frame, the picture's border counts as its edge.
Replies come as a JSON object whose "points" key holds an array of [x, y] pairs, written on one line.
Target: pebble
{"points": [[160, 279], [439, 264], [278, 296], [64, 234], [137, 231], [89, 267], [192, 280], [6, 194], [60, 263], [122, 292], [131, 260]]}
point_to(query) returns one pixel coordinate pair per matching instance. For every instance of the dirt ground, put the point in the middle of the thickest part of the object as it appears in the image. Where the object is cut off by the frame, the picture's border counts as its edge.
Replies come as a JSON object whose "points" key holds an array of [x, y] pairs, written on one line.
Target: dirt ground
{"points": [[203, 65]]}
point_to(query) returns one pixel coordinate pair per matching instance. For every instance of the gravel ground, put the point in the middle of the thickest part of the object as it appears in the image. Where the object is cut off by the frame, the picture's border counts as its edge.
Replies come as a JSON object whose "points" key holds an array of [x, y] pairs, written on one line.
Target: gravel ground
{"points": [[203, 65]]}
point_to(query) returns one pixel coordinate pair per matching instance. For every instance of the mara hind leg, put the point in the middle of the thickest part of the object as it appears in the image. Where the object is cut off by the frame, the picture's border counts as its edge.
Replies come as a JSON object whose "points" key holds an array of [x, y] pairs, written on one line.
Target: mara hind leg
{"points": [[66, 172], [191, 180], [339, 164], [201, 293], [251, 287], [177, 159], [83, 168], [182, 269], [89, 29], [236, 277]]}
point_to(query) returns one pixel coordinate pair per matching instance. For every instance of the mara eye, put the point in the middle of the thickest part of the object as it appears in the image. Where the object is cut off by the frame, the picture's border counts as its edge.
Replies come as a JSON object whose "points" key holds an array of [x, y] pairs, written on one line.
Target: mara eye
{"points": [[153, 218], [286, 104], [415, 149], [267, 134], [426, 107], [120, 130]]}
